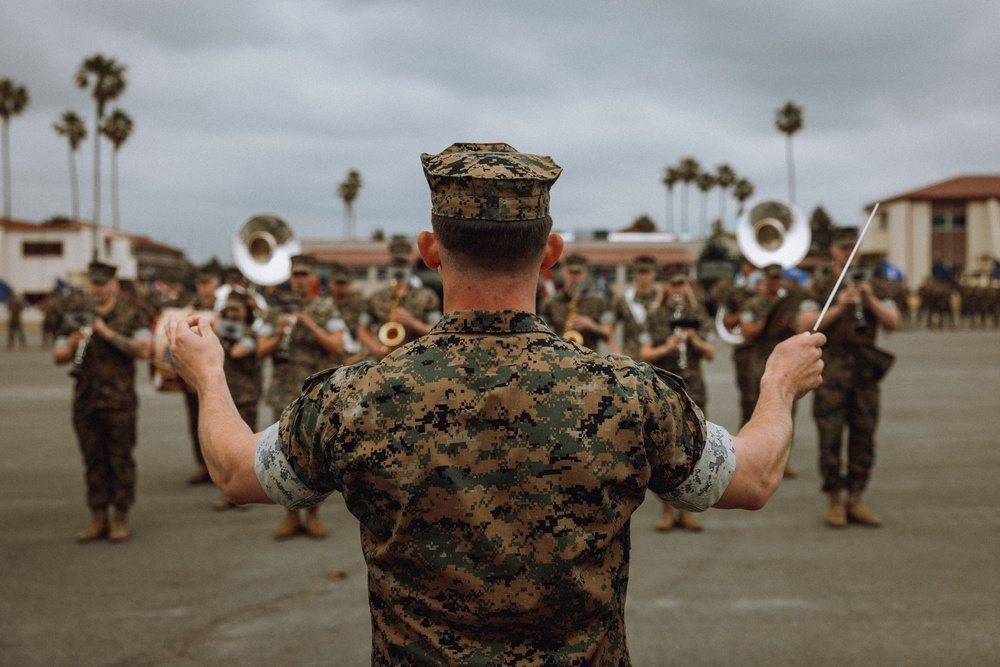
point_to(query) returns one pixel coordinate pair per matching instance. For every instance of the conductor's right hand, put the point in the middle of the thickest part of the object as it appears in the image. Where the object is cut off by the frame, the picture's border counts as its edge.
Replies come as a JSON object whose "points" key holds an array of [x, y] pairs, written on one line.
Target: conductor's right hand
{"points": [[197, 355], [796, 366]]}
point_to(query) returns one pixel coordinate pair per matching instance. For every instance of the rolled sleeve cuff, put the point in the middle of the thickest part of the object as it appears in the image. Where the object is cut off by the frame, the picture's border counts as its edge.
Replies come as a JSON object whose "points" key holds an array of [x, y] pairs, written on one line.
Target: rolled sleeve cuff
{"points": [[711, 475], [277, 477]]}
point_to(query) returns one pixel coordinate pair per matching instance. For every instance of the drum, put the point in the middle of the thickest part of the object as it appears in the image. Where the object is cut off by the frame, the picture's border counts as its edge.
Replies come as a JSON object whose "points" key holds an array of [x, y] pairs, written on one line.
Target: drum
{"points": [[161, 368]]}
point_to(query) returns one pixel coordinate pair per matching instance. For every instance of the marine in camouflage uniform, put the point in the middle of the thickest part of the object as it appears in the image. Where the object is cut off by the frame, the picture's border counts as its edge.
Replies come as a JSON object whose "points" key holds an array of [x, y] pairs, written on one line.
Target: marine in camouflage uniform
{"points": [[493, 466], [632, 307], [105, 401], [593, 320], [302, 336], [351, 303], [849, 396], [744, 288], [676, 338], [404, 301]]}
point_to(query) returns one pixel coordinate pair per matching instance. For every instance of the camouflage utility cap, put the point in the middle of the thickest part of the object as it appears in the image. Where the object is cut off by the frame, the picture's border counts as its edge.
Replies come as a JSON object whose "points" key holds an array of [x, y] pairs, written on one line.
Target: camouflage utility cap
{"points": [[489, 182], [100, 273], [303, 263], [845, 236]]}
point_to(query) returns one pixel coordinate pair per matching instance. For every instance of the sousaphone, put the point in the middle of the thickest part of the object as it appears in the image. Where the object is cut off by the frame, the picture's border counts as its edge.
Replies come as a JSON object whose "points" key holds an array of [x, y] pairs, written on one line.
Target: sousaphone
{"points": [[263, 248], [770, 231]]}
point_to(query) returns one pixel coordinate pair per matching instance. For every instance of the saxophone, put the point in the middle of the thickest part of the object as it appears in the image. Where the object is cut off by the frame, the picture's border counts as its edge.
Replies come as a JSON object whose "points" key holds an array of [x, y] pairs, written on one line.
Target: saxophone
{"points": [[392, 334], [682, 357], [568, 333]]}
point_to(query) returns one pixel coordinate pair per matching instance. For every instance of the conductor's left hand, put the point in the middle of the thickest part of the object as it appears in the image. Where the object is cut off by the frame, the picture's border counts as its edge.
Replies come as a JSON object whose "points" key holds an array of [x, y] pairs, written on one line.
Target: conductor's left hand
{"points": [[197, 354]]}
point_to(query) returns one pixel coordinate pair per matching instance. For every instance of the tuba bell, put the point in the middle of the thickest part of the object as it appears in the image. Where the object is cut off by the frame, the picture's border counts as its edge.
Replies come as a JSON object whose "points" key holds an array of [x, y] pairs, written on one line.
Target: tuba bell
{"points": [[392, 334], [771, 231], [263, 248]]}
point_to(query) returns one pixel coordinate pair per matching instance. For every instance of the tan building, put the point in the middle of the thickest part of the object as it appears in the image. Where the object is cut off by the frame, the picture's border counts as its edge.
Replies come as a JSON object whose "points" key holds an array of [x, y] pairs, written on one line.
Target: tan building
{"points": [[954, 224]]}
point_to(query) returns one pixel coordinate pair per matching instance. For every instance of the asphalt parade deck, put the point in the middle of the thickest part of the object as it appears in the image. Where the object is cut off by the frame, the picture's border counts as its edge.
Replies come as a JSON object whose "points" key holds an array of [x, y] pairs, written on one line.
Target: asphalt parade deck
{"points": [[195, 586]]}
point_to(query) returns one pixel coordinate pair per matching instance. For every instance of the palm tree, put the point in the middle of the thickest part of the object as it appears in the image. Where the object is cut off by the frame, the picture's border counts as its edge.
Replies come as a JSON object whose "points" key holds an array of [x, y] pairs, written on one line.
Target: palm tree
{"points": [[73, 128], [108, 80], [670, 178], [705, 182], [348, 192], [725, 177], [687, 170], [117, 128], [788, 120], [742, 191], [14, 99]]}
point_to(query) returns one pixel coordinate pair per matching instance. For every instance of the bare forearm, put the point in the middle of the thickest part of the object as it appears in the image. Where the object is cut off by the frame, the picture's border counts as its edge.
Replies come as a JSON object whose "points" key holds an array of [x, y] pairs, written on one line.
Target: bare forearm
{"points": [[137, 348]]}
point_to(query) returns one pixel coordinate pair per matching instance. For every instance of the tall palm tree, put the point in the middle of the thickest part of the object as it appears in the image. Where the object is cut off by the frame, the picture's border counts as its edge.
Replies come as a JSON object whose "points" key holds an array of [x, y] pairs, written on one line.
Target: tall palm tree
{"points": [[72, 127], [788, 120], [705, 182], [117, 128], [107, 79], [688, 170], [742, 191], [348, 192], [14, 99], [670, 179], [725, 177]]}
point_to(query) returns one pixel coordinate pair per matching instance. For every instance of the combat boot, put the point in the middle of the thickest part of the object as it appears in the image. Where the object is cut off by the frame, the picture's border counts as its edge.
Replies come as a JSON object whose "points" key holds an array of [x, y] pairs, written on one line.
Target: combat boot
{"points": [[688, 521], [290, 527], [836, 513], [119, 527], [97, 529], [666, 520], [313, 526], [858, 513]]}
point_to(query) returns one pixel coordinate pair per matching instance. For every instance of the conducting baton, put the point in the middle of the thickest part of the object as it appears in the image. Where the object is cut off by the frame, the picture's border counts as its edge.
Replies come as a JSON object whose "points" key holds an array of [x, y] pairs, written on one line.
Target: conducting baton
{"points": [[844, 272]]}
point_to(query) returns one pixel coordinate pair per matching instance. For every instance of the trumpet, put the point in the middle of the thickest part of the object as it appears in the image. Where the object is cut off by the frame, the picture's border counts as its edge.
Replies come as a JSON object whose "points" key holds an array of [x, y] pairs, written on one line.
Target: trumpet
{"points": [[569, 333], [392, 334]]}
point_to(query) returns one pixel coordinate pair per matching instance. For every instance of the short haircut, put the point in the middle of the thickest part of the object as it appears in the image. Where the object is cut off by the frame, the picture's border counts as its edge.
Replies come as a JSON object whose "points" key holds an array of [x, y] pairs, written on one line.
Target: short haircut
{"points": [[507, 247]]}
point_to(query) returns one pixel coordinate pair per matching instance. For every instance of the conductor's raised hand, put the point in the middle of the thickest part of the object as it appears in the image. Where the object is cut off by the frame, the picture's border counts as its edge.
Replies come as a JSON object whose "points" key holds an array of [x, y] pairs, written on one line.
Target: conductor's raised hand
{"points": [[197, 354], [796, 365]]}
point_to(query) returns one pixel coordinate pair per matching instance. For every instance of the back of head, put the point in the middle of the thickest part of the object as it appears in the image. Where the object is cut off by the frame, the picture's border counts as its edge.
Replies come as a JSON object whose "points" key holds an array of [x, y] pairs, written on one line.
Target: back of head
{"points": [[490, 205]]}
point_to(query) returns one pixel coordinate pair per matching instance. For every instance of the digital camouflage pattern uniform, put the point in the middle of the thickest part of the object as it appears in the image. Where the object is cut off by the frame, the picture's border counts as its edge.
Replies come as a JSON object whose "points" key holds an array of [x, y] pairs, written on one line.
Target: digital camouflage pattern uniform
{"points": [[589, 303], [494, 468], [759, 308], [735, 300], [659, 328], [350, 312], [244, 379], [304, 354], [104, 410], [849, 395], [632, 310], [421, 302]]}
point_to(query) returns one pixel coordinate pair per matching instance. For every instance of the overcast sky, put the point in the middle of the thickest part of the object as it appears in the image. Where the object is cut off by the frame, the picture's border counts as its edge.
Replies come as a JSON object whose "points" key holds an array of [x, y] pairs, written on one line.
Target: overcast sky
{"points": [[248, 106]]}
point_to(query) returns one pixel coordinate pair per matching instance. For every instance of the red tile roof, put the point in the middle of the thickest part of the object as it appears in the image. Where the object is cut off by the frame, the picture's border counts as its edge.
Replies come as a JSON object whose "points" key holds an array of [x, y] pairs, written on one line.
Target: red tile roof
{"points": [[984, 186]]}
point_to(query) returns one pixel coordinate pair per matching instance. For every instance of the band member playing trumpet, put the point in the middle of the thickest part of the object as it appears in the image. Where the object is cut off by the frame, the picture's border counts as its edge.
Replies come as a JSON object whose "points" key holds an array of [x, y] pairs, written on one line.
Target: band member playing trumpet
{"points": [[849, 396], [676, 340], [104, 400], [302, 337], [578, 312], [401, 312]]}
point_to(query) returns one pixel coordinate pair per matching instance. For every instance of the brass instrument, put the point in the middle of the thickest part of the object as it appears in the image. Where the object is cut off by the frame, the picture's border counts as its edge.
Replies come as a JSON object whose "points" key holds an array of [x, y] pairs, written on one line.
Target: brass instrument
{"points": [[569, 333], [392, 334], [81, 349], [263, 248], [682, 357], [771, 231]]}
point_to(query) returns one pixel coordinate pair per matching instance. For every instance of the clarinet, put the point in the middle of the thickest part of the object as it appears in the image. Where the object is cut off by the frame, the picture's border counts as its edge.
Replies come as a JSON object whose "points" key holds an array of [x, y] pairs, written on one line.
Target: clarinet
{"points": [[682, 356]]}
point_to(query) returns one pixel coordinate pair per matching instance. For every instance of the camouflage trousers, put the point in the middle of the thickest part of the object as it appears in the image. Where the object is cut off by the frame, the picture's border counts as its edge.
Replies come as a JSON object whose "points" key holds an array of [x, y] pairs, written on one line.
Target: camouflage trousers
{"points": [[247, 410], [107, 438], [855, 408]]}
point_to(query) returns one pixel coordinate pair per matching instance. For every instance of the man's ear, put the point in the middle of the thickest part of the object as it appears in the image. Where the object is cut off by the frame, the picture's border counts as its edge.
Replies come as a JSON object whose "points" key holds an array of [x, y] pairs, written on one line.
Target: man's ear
{"points": [[553, 251], [427, 244]]}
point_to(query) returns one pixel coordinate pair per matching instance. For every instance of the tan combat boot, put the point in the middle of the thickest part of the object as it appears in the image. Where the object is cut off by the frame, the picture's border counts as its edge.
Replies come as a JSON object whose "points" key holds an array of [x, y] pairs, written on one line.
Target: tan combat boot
{"points": [[314, 527], [290, 527], [119, 527], [97, 529], [836, 513], [688, 521], [666, 520], [858, 513]]}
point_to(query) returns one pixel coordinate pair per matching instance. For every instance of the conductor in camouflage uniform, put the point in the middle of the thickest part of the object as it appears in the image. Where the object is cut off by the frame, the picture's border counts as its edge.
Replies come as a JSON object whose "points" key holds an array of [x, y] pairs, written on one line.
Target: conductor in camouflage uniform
{"points": [[303, 335], [405, 301], [103, 354], [676, 339], [577, 306], [493, 465], [849, 397]]}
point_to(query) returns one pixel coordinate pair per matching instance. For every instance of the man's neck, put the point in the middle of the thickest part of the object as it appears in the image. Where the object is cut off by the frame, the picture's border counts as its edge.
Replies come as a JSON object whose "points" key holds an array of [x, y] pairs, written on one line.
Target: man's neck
{"points": [[497, 293]]}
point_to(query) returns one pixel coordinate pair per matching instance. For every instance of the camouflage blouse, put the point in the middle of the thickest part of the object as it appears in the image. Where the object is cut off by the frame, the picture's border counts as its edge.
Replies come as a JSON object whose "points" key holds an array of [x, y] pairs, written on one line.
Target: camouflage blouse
{"points": [[494, 469]]}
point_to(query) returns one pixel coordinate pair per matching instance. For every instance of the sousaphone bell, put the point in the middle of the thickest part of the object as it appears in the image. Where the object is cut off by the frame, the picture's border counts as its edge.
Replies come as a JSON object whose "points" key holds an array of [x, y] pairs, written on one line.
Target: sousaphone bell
{"points": [[263, 248]]}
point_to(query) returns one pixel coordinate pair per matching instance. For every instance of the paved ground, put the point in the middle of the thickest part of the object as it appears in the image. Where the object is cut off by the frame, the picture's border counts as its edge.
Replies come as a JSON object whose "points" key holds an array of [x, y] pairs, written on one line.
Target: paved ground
{"points": [[198, 587]]}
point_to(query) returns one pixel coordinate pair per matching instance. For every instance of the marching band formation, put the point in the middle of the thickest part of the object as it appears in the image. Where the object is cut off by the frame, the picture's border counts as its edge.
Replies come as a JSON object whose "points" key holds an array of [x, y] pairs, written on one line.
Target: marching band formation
{"points": [[304, 323]]}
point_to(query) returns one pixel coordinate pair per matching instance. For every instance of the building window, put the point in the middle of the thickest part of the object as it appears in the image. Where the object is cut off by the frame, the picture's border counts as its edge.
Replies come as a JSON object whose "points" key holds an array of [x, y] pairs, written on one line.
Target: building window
{"points": [[948, 238], [42, 249], [359, 273]]}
